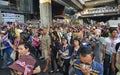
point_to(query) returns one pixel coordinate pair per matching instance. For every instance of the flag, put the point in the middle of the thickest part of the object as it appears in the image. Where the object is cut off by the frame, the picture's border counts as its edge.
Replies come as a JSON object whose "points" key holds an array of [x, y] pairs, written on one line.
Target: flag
{"points": [[5, 37], [24, 65]]}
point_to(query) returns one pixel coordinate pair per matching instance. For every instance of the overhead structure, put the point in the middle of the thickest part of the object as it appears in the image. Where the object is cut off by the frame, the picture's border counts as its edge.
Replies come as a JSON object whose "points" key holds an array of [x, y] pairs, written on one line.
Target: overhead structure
{"points": [[71, 3], [93, 8], [94, 3]]}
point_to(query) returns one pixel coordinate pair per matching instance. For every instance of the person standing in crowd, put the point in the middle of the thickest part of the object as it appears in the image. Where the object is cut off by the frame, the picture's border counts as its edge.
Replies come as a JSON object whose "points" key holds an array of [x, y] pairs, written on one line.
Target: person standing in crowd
{"points": [[80, 34], [118, 29], [58, 32], [69, 35], [55, 47], [109, 52], [24, 37], [75, 54], [117, 64], [98, 40], [7, 50], [86, 65], [23, 49], [36, 43], [75, 48], [65, 55], [98, 47], [46, 50]]}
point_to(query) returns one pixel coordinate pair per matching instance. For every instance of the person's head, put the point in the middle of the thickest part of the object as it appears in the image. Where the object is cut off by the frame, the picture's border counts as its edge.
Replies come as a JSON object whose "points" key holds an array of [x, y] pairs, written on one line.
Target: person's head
{"points": [[76, 41], [40, 31], [86, 57], [25, 30], [113, 31], [55, 35], [64, 40], [37, 34], [56, 29], [4, 28], [45, 30], [50, 29], [23, 48], [24, 36], [3, 33]]}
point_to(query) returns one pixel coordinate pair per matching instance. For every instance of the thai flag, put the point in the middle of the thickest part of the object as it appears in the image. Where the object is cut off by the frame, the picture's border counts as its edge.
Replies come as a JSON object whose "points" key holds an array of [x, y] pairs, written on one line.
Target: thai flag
{"points": [[16, 22], [5, 37]]}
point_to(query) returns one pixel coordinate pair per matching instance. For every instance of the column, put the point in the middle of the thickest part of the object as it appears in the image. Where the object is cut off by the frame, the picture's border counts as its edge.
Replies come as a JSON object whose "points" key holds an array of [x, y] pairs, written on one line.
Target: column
{"points": [[45, 13], [1, 17]]}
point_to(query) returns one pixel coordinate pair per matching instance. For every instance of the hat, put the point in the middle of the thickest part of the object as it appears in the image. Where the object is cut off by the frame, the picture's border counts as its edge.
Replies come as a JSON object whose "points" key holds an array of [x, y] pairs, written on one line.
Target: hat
{"points": [[64, 37], [86, 44], [25, 64]]}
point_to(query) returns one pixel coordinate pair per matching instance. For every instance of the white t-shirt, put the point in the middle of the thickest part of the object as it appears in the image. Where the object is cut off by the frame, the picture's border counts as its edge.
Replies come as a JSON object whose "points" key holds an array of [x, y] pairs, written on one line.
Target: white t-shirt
{"points": [[110, 45]]}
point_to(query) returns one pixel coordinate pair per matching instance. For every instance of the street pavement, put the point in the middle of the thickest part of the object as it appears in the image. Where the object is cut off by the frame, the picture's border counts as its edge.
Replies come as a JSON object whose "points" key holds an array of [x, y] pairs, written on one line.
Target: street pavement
{"points": [[42, 64]]}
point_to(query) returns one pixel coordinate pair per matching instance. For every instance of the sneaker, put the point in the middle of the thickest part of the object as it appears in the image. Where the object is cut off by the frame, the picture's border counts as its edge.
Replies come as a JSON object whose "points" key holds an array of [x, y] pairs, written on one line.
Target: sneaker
{"points": [[50, 72], [41, 58], [57, 70]]}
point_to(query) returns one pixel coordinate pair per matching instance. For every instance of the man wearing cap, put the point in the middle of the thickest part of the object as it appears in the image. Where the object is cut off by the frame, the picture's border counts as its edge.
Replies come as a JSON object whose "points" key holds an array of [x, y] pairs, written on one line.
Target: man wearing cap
{"points": [[86, 65]]}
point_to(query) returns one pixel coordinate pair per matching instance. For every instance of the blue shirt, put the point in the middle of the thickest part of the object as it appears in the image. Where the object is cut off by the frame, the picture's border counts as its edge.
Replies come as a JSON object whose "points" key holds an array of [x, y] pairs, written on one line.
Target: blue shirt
{"points": [[97, 68], [8, 47]]}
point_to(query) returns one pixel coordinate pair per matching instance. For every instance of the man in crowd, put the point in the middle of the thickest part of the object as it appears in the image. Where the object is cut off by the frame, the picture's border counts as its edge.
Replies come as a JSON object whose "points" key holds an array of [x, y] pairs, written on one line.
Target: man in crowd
{"points": [[109, 52], [86, 65], [45, 46]]}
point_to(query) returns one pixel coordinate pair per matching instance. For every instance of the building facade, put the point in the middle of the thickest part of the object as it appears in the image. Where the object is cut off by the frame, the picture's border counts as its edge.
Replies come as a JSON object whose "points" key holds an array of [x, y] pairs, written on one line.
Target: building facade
{"points": [[17, 9]]}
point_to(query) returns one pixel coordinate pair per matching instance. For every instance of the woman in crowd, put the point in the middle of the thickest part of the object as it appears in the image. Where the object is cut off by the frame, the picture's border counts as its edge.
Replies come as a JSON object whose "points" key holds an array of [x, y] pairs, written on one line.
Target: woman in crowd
{"points": [[23, 49], [75, 55], [75, 48], [65, 52], [55, 46], [36, 42]]}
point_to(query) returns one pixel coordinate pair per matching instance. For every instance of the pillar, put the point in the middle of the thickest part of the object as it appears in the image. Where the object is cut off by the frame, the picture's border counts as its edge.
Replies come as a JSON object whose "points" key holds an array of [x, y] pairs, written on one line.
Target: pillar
{"points": [[45, 13], [1, 20]]}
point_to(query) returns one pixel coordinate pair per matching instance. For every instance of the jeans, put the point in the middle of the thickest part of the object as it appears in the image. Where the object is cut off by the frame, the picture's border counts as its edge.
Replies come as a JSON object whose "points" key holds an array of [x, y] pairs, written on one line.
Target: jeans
{"points": [[7, 60], [107, 65], [54, 65], [66, 66]]}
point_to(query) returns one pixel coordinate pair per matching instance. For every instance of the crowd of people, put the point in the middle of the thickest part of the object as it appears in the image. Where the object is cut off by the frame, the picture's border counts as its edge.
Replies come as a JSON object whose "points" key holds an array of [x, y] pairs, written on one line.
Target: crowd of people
{"points": [[69, 49]]}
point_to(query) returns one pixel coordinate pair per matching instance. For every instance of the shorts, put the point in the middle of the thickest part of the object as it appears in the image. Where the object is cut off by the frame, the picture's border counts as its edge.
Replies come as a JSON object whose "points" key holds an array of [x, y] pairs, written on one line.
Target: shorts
{"points": [[45, 54]]}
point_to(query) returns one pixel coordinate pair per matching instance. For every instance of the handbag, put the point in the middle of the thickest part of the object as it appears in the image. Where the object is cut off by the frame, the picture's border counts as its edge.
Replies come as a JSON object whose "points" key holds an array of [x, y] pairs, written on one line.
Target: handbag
{"points": [[60, 62], [13, 55]]}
